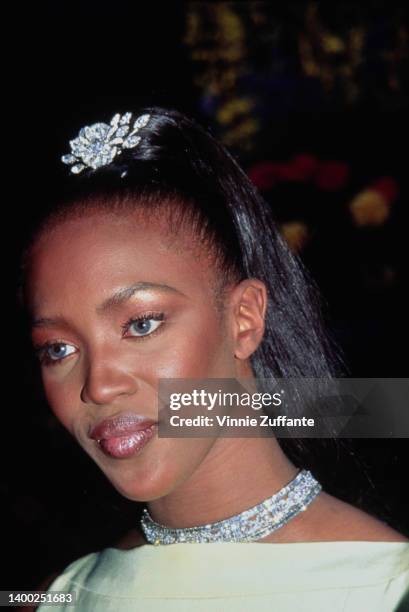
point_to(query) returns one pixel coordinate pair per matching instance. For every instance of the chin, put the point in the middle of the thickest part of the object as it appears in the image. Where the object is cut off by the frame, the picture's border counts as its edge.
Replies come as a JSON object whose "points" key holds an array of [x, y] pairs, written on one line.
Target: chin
{"points": [[143, 490], [151, 475]]}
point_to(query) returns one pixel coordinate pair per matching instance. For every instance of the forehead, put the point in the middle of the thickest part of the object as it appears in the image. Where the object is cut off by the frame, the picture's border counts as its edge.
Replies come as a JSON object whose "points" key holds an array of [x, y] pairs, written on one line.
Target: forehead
{"points": [[89, 257]]}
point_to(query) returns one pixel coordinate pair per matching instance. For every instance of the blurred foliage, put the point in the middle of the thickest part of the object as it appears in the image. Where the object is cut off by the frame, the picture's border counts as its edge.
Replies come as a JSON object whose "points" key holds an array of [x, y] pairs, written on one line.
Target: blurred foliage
{"points": [[256, 59], [268, 75]]}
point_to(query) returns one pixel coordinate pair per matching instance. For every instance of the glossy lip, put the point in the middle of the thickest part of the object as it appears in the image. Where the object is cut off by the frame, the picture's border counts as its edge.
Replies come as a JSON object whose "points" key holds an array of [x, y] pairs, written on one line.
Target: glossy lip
{"points": [[123, 424]]}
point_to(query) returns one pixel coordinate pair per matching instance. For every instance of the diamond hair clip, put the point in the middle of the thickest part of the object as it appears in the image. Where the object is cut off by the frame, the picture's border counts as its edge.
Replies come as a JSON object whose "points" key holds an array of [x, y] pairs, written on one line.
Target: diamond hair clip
{"points": [[98, 144]]}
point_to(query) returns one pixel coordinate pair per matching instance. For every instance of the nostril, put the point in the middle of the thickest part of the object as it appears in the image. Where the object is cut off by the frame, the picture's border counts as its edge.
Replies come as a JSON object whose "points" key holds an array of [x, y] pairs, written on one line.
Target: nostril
{"points": [[103, 386], [83, 396]]}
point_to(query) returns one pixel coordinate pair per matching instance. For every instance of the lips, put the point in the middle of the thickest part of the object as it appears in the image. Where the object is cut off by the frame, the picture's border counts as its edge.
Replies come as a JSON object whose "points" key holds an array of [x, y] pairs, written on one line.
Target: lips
{"points": [[123, 424]]}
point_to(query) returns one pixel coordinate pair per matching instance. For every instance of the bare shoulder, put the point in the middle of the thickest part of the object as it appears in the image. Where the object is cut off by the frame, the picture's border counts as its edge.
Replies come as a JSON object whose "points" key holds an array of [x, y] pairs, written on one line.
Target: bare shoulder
{"points": [[346, 522]]}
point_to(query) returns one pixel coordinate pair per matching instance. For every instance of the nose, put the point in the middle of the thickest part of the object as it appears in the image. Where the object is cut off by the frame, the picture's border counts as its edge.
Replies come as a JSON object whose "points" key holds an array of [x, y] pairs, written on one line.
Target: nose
{"points": [[107, 380]]}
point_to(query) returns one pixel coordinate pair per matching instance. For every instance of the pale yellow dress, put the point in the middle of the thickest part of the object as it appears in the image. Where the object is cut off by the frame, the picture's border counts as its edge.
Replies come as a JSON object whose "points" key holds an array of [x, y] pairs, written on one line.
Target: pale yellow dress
{"points": [[300, 577]]}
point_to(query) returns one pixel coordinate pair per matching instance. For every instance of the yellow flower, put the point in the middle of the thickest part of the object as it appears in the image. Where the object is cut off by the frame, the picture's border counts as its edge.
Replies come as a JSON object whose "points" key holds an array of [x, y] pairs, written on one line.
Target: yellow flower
{"points": [[296, 234], [369, 207]]}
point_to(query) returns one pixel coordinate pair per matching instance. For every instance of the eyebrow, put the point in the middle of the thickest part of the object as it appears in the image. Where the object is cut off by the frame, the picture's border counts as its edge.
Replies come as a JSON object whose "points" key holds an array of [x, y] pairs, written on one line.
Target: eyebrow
{"points": [[119, 297], [125, 293]]}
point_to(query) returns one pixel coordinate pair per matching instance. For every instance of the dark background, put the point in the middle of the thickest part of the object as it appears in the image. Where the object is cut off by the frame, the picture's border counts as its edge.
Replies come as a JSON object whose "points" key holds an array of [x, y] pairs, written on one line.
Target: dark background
{"points": [[272, 81]]}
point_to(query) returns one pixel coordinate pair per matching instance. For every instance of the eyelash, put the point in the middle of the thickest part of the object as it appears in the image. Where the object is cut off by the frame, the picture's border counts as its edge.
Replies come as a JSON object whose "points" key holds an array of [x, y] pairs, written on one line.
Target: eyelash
{"points": [[41, 351], [155, 316]]}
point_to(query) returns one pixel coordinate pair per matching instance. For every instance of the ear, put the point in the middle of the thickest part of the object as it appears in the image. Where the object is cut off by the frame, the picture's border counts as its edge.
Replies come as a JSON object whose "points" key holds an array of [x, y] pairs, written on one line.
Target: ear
{"points": [[249, 305]]}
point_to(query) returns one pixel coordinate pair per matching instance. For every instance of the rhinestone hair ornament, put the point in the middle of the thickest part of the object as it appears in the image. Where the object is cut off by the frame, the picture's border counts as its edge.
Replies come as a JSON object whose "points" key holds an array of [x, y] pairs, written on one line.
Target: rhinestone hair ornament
{"points": [[98, 144]]}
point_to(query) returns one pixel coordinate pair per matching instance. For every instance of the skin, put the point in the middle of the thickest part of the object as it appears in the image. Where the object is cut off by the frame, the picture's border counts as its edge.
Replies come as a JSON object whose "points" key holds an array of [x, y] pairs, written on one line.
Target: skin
{"points": [[76, 267]]}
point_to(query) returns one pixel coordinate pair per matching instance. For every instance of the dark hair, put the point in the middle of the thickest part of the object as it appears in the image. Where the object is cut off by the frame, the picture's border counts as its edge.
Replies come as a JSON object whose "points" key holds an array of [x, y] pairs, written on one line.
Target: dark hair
{"points": [[178, 161]]}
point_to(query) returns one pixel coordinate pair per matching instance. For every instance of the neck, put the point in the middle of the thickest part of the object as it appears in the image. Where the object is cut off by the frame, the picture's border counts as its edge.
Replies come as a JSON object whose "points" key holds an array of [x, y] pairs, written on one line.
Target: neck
{"points": [[237, 473]]}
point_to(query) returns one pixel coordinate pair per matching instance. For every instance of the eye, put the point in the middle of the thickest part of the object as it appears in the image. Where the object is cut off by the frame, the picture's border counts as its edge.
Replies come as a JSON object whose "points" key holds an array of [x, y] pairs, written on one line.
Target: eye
{"points": [[55, 351], [144, 325]]}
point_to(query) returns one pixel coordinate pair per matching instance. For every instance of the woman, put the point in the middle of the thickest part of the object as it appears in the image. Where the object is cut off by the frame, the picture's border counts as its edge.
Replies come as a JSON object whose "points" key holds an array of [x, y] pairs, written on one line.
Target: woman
{"points": [[162, 261]]}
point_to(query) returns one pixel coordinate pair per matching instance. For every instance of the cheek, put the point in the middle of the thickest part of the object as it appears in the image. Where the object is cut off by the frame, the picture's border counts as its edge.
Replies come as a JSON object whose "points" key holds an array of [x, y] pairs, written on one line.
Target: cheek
{"points": [[200, 351], [62, 399]]}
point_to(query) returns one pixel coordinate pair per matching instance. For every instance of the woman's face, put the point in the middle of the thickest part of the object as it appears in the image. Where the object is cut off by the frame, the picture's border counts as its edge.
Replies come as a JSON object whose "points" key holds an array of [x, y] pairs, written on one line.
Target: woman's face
{"points": [[91, 279]]}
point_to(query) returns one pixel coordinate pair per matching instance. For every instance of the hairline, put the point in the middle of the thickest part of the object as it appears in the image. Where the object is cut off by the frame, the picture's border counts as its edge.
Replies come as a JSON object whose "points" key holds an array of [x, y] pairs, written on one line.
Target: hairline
{"points": [[173, 208]]}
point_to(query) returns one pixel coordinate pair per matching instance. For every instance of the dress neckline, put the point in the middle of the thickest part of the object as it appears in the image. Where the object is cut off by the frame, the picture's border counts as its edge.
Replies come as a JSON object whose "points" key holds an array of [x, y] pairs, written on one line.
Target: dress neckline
{"points": [[183, 570]]}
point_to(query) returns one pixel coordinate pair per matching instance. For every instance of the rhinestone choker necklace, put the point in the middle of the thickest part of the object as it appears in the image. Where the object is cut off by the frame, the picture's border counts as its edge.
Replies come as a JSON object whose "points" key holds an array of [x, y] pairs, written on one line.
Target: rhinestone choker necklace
{"points": [[248, 526]]}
